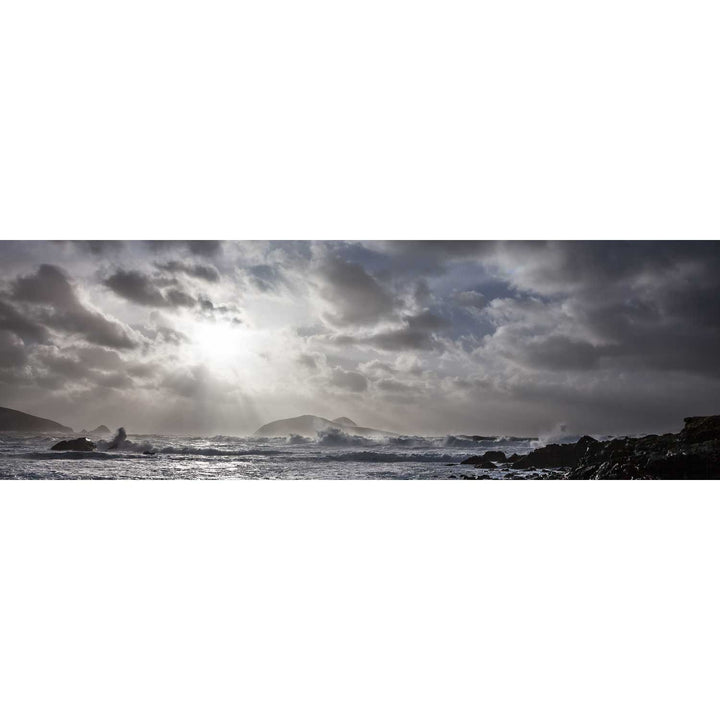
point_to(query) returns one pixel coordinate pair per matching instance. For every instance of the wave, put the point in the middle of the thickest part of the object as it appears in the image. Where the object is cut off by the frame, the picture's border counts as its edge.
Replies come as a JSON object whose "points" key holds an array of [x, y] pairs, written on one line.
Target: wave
{"points": [[79, 455], [337, 438], [367, 456], [297, 440], [213, 452], [121, 443]]}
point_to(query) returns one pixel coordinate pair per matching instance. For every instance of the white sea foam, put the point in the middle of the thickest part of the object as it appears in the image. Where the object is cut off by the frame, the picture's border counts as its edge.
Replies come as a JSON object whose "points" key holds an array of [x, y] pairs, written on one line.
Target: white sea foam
{"points": [[335, 455]]}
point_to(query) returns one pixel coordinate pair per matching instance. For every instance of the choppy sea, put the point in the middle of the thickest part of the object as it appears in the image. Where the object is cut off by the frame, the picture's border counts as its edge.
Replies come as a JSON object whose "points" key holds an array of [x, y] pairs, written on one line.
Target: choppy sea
{"points": [[330, 456]]}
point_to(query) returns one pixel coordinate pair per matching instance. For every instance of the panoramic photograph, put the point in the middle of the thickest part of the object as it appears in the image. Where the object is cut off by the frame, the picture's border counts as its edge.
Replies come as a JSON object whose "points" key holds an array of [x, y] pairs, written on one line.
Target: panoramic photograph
{"points": [[397, 360]]}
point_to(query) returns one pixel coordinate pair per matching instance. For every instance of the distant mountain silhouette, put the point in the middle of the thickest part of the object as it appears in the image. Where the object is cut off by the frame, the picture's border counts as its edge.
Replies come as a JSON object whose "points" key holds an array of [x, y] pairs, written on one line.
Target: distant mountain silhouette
{"points": [[344, 421], [311, 425], [14, 420], [99, 430]]}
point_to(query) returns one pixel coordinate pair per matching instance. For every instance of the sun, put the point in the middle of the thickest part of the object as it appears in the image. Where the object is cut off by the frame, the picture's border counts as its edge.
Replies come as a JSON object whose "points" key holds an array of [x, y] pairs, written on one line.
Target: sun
{"points": [[218, 344]]}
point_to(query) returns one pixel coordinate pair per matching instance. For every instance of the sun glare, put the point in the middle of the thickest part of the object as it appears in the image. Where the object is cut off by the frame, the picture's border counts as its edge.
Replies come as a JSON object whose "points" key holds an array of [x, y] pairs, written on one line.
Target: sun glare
{"points": [[218, 344]]}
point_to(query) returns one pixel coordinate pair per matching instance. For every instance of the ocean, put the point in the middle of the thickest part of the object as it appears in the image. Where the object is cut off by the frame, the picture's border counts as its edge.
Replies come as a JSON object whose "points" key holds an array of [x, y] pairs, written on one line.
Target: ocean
{"points": [[330, 456]]}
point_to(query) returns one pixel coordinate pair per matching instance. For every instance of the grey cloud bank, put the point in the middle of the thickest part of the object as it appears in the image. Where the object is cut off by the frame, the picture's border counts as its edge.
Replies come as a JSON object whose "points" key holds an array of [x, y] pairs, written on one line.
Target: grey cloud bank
{"points": [[416, 337]]}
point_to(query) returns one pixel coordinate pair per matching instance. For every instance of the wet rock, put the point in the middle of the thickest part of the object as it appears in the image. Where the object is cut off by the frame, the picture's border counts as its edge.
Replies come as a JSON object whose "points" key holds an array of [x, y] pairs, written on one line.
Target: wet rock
{"points": [[700, 429], [82, 444], [555, 456], [693, 453], [485, 461], [494, 456], [486, 457]]}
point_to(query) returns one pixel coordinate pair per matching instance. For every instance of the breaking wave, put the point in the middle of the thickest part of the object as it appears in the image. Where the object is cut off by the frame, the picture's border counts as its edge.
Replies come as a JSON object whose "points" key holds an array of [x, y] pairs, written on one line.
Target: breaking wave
{"points": [[367, 456], [337, 438], [212, 452]]}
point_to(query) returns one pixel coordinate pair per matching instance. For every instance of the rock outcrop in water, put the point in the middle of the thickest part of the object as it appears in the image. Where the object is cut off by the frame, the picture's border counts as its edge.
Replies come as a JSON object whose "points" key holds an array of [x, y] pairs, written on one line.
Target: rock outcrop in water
{"points": [[16, 421], [311, 425], [489, 456], [693, 453], [99, 430], [82, 444], [553, 456]]}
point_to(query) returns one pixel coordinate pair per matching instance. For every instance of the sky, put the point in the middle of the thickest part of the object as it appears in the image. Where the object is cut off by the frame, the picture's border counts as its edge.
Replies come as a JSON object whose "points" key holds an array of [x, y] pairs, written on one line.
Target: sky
{"points": [[208, 337]]}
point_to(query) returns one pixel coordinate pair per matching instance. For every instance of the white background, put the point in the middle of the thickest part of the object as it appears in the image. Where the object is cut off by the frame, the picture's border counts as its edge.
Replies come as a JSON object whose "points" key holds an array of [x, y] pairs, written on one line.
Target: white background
{"points": [[359, 120]]}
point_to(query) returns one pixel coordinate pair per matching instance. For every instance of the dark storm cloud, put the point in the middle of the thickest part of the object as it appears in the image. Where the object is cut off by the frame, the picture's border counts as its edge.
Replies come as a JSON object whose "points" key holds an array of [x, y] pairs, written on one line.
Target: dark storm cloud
{"points": [[178, 298], [24, 328], [430, 258], [201, 272], [100, 247], [417, 333], [586, 267], [141, 289], [136, 287], [348, 380], [49, 286], [58, 307], [355, 296], [426, 320], [397, 340], [530, 333], [12, 350], [561, 353], [163, 334], [73, 369], [204, 248], [394, 386], [645, 304], [308, 361]]}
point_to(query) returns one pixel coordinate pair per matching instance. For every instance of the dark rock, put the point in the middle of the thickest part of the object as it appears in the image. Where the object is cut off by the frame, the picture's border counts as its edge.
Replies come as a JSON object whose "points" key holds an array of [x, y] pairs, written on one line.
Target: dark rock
{"points": [[701, 429], [555, 456], [100, 429], [694, 453], [83, 444], [494, 455], [486, 457]]}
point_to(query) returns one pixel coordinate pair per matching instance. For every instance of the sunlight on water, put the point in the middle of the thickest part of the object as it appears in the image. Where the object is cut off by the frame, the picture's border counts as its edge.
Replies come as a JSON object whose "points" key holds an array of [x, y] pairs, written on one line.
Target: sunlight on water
{"points": [[156, 457]]}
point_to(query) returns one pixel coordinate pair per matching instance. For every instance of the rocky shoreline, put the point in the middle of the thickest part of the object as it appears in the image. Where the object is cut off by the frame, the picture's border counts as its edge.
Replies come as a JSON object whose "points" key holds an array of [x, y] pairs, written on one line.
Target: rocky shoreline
{"points": [[693, 453]]}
